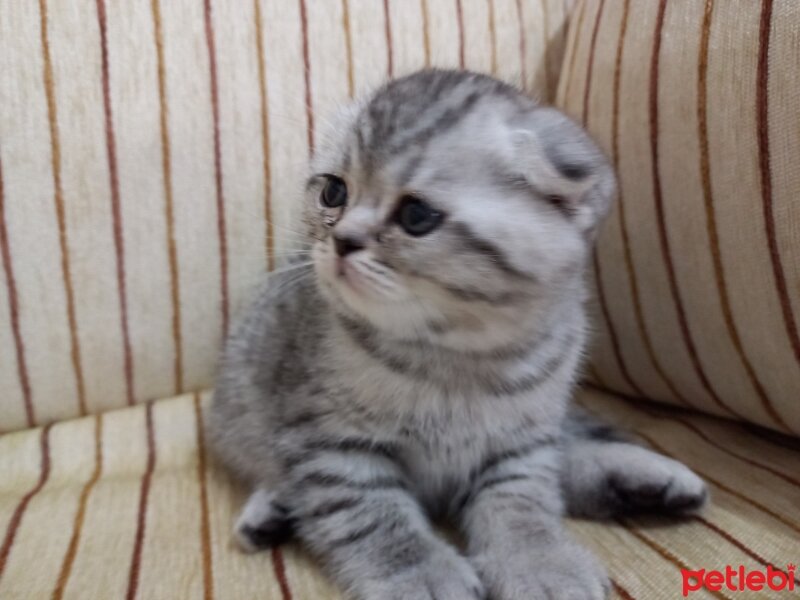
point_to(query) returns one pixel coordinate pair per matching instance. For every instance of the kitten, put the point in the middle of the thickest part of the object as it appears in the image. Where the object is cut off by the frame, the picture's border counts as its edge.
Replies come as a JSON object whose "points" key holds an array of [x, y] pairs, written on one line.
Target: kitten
{"points": [[421, 366]]}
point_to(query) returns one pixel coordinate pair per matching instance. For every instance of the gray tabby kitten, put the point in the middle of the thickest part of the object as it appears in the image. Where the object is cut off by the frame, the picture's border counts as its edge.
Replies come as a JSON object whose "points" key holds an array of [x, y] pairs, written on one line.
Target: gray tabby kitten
{"points": [[421, 367]]}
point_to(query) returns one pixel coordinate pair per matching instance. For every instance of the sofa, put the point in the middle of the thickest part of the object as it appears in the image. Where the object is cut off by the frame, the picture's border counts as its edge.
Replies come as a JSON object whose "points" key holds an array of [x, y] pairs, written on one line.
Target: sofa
{"points": [[151, 155]]}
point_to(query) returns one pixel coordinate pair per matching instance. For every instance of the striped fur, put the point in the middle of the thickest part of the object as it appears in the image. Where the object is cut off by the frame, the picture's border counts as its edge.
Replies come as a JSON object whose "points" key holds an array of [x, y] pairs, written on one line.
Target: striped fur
{"points": [[356, 421]]}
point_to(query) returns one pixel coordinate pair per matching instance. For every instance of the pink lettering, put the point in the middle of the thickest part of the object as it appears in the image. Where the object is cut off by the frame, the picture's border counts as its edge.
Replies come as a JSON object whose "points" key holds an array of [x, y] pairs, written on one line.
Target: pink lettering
{"points": [[688, 584], [714, 581], [783, 580], [755, 581]]}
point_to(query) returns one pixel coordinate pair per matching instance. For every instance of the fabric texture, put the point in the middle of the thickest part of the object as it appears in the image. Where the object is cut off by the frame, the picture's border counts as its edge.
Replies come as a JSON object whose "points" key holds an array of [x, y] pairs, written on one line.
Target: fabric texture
{"points": [[149, 157], [151, 154], [698, 269], [129, 505]]}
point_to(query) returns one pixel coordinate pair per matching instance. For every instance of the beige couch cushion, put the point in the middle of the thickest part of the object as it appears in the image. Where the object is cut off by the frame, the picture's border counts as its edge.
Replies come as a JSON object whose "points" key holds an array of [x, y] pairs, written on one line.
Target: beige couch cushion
{"points": [[128, 504], [698, 270], [150, 155]]}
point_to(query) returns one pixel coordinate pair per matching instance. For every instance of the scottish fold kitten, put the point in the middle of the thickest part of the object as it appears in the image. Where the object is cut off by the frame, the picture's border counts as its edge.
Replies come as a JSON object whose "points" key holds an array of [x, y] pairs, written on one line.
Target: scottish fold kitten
{"points": [[420, 365]]}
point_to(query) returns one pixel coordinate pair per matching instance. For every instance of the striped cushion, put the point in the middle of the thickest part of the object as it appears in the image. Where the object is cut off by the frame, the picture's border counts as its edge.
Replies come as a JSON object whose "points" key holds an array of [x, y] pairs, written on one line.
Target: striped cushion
{"points": [[698, 272], [123, 505], [150, 153]]}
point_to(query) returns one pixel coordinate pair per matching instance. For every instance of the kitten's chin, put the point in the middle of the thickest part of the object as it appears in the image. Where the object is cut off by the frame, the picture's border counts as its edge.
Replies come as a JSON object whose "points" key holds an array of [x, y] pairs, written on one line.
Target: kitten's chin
{"points": [[352, 291], [348, 279], [344, 286], [348, 284]]}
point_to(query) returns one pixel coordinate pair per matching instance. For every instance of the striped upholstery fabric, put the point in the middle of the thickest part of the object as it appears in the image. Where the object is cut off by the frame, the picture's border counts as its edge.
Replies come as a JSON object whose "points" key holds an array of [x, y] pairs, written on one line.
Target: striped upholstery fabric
{"points": [[135, 508], [150, 153], [698, 272]]}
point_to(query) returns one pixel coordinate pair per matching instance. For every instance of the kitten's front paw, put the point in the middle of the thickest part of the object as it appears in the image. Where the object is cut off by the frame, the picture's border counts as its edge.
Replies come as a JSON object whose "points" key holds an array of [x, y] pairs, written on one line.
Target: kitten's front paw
{"points": [[444, 576], [565, 571], [263, 523]]}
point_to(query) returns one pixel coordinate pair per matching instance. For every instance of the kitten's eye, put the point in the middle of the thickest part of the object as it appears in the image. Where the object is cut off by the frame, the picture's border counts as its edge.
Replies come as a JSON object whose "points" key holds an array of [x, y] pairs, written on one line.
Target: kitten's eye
{"points": [[334, 194], [417, 217]]}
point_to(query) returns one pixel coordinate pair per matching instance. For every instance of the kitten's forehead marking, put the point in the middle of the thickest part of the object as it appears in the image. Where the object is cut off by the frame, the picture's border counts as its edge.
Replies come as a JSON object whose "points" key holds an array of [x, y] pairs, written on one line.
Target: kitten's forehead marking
{"points": [[404, 116], [347, 159]]}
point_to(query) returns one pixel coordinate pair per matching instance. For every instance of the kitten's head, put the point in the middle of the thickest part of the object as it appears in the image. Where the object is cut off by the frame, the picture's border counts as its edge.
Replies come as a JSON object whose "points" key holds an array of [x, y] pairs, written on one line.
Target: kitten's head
{"points": [[450, 200]]}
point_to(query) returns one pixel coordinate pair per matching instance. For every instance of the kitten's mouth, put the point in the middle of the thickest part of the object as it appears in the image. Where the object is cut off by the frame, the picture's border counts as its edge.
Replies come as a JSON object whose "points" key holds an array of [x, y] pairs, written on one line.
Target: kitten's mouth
{"points": [[347, 275], [339, 267]]}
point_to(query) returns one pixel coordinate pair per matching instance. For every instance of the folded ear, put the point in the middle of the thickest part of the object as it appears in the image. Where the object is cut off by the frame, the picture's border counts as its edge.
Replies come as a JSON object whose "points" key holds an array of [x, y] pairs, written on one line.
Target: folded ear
{"points": [[559, 159]]}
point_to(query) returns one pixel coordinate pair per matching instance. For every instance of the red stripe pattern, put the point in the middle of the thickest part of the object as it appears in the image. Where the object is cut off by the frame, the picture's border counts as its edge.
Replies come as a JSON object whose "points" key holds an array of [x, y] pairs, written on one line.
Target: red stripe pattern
{"points": [[19, 511], [116, 210], [113, 297], [307, 77], [141, 513], [750, 521], [13, 306], [765, 171], [220, 198], [710, 299]]}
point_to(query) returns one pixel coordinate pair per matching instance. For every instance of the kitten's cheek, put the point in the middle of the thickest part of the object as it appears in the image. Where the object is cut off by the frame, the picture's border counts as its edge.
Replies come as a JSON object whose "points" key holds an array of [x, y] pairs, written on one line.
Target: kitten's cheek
{"points": [[324, 263]]}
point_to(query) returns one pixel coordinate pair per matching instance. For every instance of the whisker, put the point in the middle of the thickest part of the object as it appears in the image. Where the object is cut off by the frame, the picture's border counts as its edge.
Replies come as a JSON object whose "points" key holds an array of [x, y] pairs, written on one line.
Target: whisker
{"points": [[281, 226], [287, 229], [284, 286], [291, 267], [298, 252], [285, 280]]}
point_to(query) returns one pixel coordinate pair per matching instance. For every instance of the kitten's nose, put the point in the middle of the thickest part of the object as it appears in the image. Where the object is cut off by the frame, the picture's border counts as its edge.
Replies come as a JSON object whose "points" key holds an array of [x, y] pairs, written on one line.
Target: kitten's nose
{"points": [[346, 245]]}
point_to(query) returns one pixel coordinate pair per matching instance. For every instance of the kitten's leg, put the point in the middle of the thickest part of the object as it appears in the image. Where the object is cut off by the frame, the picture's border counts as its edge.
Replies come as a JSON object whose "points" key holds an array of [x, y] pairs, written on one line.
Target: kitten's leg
{"points": [[604, 479], [263, 522], [355, 513], [513, 524]]}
